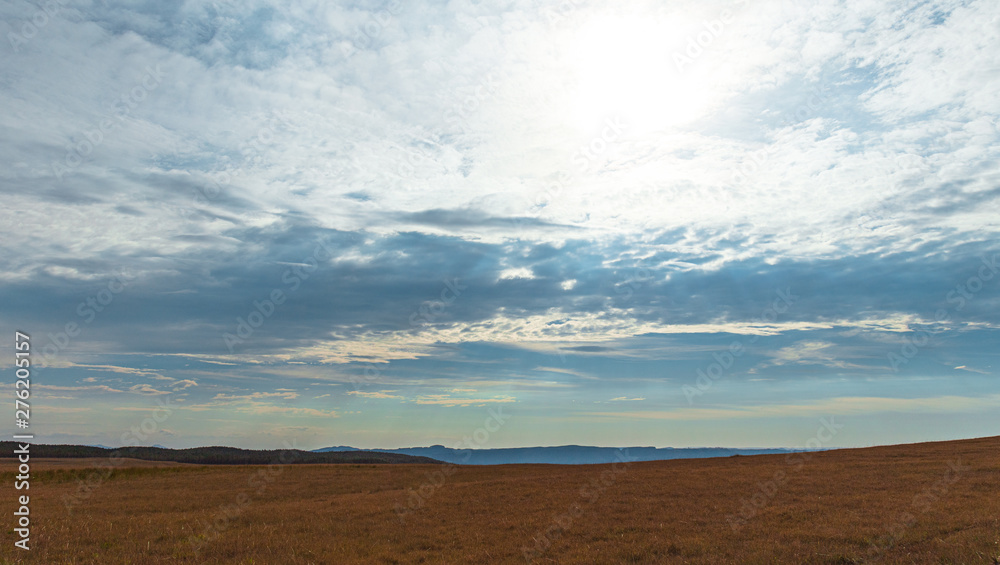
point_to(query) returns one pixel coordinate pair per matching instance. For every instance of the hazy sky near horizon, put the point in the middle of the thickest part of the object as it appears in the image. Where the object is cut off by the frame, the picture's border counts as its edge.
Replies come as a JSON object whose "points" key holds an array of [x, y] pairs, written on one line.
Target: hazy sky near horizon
{"points": [[666, 223]]}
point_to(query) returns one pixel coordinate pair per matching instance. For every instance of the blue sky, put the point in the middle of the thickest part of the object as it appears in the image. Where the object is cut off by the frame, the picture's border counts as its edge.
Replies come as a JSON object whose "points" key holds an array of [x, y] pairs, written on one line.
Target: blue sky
{"points": [[371, 224]]}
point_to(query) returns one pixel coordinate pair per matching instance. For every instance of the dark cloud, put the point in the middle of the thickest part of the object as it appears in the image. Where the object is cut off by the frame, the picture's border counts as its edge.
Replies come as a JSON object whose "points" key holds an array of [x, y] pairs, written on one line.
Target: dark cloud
{"points": [[471, 218], [185, 301]]}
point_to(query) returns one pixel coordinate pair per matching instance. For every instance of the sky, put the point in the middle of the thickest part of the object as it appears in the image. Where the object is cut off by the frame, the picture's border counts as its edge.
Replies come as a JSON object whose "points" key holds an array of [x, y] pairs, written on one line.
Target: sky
{"points": [[502, 223]]}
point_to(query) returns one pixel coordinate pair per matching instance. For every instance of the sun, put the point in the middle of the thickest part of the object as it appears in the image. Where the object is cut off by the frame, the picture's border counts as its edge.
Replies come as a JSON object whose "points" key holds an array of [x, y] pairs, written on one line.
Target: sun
{"points": [[625, 68]]}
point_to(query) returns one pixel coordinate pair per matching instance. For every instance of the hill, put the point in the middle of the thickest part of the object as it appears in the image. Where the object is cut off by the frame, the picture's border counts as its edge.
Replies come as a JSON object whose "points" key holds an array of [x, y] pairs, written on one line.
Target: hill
{"points": [[928, 503], [563, 454], [214, 455]]}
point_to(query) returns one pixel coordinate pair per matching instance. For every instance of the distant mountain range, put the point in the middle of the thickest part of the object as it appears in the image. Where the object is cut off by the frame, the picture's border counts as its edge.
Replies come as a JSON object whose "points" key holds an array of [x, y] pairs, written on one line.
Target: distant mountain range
{"points": [[561, 455], [214, 455], [435, 454]]}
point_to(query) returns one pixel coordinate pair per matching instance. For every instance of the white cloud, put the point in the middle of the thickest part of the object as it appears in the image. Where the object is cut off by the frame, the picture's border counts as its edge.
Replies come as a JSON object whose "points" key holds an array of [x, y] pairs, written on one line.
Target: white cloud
{"points": [[147, 389], [382, 394], [834, 406], [516, 273], [288, 395], [799, 132], [448, 400]]}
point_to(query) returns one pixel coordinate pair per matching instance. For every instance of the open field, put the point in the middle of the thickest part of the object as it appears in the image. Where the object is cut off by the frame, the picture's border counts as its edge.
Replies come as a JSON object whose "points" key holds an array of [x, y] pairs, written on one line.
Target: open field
{"points": [[54, 463], [923, 503]]}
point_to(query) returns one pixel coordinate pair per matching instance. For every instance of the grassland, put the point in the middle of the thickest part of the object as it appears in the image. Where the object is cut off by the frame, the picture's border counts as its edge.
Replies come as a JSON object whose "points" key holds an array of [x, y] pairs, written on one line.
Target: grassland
{"points": [[923, 503]]}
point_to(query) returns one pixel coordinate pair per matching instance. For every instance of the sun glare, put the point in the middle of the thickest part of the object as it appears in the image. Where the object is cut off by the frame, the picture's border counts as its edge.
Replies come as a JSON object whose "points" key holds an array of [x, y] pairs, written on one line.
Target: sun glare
{"points": [[624, 69]]}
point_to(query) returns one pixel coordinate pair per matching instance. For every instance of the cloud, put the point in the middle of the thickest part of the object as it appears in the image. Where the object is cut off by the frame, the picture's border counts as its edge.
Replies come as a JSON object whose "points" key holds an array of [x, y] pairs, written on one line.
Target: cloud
{"points": [[65, 409], [848, 155], [971, 370], [589, 349], [471, 218], [379, 394], [811, 353], [261, 403], [123, 370], [288, 395], [517, 273], [95, 388], [448, 400], [836, 406], [292, 410], [565, 371], [146, 389]]}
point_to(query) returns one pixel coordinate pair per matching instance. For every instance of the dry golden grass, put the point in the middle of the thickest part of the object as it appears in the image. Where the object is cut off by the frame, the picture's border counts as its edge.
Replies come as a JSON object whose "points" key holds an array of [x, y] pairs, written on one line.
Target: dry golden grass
{"points": [[51, 463], [897, 504]]}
